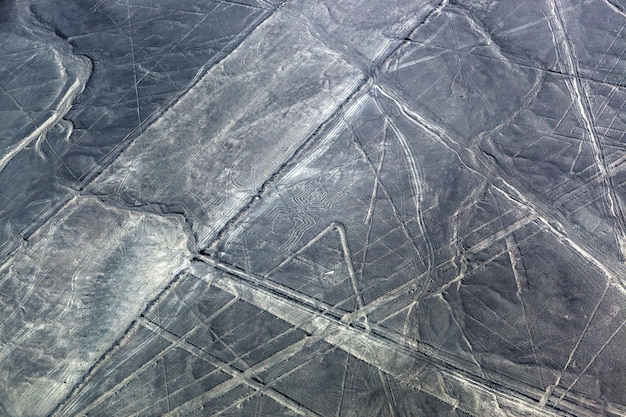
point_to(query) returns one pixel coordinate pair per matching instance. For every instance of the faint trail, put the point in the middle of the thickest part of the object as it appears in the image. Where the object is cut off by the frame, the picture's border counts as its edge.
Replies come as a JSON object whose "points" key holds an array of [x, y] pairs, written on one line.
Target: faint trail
{"points": [[416, 184], [521, 281], [443, 50], [483, 169], [391, 400], [405, 230], [328, 124], [538, 21], [318, 355], [269, 285], [94, 172], [579, 340], [203, 149], [66, 403], [591, 361], [459, 255], [240, 401], [380, 352], [205, 14], [406, 328], [565, 51], [220, 339], [61, 106], [372, 205], [17, 103], [343, 237], [134, 64], [379, 167], [98, 168], [464, 335], [285, 354], [343, 386], [236, 3], [289, 352], [167, 385], [297, 253], [356, 290], [412, 286], [238, 377], [531, 95], [32, 284]]}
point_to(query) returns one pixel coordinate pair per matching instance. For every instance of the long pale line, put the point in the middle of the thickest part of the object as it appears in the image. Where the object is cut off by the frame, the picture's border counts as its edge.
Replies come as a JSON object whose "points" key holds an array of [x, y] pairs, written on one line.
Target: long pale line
{"points": [[240, 376], [383, 354], [578, 95]]}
